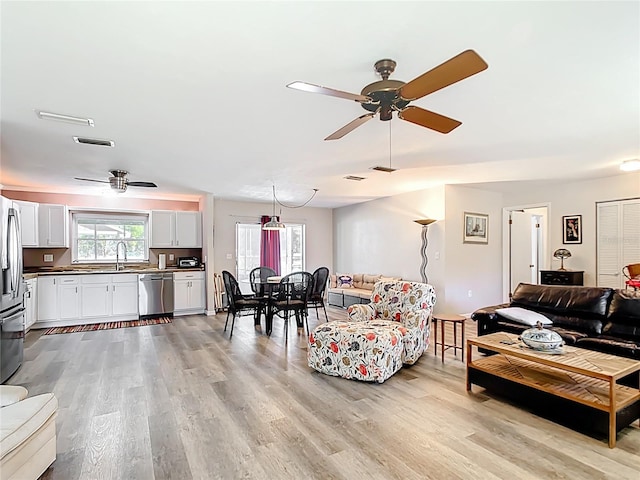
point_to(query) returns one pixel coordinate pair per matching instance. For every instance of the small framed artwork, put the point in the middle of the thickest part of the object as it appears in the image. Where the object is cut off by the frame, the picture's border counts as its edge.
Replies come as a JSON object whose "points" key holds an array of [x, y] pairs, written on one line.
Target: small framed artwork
{"points": [[476, 228], [572, 229]]}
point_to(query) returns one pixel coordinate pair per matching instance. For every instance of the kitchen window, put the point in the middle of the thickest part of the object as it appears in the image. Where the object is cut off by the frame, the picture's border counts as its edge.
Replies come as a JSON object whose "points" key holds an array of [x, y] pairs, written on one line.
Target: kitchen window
{"points": [[96, 236]]}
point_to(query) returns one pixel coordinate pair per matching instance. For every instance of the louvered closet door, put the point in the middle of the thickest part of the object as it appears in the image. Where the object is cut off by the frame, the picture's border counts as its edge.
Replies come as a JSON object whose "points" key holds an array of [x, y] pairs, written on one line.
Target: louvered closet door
{"points": [[618, 240], [609, 245]]}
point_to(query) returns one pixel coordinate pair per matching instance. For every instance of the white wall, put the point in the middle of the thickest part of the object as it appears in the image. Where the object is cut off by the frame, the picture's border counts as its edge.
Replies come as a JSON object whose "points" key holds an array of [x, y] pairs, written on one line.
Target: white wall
{"points": [[318, 231], [381, 237], [475, 268], [576, 198]]}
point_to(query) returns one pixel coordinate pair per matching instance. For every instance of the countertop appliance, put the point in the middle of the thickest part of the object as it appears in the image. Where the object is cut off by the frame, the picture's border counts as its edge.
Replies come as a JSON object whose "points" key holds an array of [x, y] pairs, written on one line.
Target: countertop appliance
{"points": [[155, 295], [188, 262], [11, 289]]}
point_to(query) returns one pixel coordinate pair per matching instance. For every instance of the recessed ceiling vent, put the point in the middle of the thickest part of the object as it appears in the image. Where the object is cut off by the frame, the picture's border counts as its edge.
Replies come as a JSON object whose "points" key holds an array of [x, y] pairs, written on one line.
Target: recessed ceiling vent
{"points": [[94, 141], [383, 169], [354, 178]]}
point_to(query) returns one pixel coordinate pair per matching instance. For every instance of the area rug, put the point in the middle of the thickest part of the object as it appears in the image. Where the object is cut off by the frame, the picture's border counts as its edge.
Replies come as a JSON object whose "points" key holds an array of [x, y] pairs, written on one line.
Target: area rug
{"points": [[107, 326]]}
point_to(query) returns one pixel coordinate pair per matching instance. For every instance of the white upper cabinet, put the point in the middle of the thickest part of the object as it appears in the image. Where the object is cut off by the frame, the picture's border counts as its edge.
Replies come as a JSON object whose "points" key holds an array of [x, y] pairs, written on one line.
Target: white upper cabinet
{"points": [[53, 225], [176, 229], [28, 222]]}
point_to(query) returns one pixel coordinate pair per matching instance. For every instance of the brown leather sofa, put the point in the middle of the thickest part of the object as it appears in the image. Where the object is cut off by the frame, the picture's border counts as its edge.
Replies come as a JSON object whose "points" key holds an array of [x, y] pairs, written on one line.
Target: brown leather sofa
{"points": [[596, 318]]}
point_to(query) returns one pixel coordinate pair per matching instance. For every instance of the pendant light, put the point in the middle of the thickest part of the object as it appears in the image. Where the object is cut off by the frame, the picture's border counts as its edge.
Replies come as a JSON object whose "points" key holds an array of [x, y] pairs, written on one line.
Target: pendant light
{"points": [[274, 223]]}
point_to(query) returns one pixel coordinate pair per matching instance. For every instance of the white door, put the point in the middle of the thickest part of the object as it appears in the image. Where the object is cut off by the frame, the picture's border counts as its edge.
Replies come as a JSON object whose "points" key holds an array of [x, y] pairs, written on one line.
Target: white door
{"points": [[125, 298], [162, 229], [522, 269], [197, 294], [69, 302], [29, 223], [181, 294], [188, 230], [96, 300], [52, 225], [47, 299]]}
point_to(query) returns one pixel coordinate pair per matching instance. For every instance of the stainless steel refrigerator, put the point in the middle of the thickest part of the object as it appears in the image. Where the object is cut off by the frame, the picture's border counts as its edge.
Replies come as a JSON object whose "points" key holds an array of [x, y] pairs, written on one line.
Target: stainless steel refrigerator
{"points": [[12, 289]]}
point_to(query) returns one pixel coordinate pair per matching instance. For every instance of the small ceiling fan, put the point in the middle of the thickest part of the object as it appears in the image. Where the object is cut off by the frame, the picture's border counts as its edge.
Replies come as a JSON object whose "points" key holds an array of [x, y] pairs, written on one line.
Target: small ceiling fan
{"points": [[119, 181], [386, 96]]}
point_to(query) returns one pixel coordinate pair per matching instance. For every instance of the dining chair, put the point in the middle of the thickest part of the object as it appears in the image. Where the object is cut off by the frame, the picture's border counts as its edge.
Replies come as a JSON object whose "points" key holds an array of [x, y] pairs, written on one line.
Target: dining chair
{"points": [[320, 277], [239, 304], [632, 273], [293, 297]]}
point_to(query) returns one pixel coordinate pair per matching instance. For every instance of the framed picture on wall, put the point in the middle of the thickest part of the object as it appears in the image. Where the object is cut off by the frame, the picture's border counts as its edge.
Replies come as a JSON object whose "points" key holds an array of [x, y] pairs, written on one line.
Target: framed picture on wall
{"points": [[572, 229], [476, 228]]}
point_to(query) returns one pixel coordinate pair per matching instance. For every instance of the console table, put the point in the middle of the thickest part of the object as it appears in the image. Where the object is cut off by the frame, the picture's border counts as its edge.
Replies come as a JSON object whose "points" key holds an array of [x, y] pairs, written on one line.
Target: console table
{"points": [[562, 277]]}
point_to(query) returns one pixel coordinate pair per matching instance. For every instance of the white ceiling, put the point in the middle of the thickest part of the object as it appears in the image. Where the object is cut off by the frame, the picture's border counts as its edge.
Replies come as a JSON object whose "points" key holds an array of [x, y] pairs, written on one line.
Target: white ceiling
{"points": [[194, 96]]}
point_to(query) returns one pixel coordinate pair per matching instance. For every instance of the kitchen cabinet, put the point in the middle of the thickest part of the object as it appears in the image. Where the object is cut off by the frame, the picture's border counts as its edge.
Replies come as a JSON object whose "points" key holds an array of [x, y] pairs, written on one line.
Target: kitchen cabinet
{"points": [[90, 298], [176, 229], [30, 303], [47, 299], [189, 292], [53, 225], [68, 297], [29, 223]]}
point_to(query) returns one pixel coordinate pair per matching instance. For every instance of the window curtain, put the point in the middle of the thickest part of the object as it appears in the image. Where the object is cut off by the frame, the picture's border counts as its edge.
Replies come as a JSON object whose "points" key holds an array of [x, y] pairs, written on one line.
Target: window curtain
{"points": [[270, 246]]}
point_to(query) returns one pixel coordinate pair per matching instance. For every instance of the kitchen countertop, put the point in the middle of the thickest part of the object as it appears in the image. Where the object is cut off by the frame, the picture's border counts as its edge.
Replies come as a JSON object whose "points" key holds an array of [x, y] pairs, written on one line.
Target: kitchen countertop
{"points": [[39, 272]]}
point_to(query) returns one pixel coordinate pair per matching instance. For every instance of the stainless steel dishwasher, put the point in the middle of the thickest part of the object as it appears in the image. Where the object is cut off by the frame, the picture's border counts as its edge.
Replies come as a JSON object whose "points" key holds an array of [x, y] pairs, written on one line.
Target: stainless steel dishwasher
{"points": [[155, 295]]}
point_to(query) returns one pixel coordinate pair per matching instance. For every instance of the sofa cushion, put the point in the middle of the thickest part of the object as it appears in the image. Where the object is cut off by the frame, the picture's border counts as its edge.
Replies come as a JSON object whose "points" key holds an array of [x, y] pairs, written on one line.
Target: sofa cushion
{"points": [[368, 281], [624, 315], [23, 419], [10, 394], [582, 302], [570, 337], [333, 281], [591, 326], [613, 345], [524, 316], [358, 280]]}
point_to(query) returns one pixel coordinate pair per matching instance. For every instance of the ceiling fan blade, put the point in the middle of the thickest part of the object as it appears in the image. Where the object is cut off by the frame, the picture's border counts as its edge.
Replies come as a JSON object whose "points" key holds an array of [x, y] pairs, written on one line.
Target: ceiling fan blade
{"points": [[90, 180], [453, 70], [141, 184], [309, 87], [350, 126], [426, 118]]}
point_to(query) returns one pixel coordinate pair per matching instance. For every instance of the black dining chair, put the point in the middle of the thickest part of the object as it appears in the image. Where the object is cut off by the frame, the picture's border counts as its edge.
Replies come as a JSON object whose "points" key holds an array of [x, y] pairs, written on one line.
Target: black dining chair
{"points": [[256, 276], [316, 299], [293, 297], [239, 304]]}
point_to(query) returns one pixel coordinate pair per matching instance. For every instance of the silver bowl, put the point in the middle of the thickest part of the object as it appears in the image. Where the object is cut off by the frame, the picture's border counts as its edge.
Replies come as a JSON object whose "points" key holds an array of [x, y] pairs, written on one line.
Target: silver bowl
{"points": [[539, 338]]}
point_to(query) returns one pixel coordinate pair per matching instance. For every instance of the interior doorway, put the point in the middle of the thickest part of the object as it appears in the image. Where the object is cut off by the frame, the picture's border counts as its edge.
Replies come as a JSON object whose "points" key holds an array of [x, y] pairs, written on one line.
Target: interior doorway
{"points": [[525, 252]]}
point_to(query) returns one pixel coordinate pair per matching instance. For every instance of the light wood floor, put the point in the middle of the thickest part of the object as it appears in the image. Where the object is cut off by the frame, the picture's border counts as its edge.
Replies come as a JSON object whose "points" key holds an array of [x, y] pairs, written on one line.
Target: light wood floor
{"points": [[182, 401]]}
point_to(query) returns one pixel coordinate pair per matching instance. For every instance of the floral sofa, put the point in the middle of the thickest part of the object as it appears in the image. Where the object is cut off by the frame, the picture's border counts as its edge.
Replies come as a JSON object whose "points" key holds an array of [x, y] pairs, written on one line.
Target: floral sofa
{"points": [[379, 337]]}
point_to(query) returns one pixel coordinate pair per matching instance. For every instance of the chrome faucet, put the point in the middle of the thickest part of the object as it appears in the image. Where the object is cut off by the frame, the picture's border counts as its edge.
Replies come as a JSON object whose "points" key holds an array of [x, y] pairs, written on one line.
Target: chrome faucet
{"points": [[124, 245]]}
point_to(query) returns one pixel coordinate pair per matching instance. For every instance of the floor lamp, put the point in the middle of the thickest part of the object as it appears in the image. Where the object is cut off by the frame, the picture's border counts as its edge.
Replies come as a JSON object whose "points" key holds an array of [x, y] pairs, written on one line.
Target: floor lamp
{"points": [[425, 226]]}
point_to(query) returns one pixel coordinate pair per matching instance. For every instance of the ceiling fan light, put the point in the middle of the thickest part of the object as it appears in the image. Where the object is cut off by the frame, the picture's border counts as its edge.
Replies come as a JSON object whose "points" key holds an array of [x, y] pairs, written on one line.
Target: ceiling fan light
{"points": [[630, 165], [274, 224], [64, 118], [119, 184]]}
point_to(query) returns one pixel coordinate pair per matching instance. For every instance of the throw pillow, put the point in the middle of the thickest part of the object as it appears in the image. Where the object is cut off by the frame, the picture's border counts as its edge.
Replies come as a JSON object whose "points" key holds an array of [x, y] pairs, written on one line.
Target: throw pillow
{"points": [[345, 281], [524, 316]]}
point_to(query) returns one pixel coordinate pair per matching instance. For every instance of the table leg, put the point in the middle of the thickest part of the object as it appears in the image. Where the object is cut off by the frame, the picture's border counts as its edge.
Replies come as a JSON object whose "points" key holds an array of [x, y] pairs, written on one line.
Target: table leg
{"points": [[455, 339], [442, 337], [468, 363], [435, 336], [462, 340], [612, 413], [269, 318]]}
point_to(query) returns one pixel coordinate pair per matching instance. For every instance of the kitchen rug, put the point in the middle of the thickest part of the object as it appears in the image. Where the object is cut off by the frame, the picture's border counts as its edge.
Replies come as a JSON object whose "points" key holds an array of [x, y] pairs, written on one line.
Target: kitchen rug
{"points": [[107, 326]]}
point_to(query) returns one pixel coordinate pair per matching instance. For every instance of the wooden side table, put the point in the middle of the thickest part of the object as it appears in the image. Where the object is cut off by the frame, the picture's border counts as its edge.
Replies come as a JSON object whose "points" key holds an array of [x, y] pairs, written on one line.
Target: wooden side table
{"points": [[456, 320]]}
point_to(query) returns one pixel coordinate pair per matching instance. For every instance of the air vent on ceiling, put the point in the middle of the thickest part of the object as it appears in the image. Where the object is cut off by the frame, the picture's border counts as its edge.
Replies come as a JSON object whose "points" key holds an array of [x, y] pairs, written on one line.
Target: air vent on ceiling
{"points": [[94, 141], [383, 169], [355, 178]]}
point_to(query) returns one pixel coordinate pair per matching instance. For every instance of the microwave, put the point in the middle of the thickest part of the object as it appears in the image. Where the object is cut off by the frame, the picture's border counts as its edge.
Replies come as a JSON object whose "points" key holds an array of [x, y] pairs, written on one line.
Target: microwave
{"points": [[188, 262]]}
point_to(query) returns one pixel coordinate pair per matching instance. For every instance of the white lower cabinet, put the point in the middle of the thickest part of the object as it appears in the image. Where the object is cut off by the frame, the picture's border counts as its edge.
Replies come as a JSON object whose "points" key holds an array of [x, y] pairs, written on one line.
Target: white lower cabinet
{"points": [[189, 293], [30, 303], [91, 298]]}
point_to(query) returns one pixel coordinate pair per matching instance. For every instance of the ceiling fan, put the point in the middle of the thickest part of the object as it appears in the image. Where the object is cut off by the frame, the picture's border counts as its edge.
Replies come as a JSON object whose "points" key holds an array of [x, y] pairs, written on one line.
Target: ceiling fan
{"points": [[386, 96], [119, 181]]}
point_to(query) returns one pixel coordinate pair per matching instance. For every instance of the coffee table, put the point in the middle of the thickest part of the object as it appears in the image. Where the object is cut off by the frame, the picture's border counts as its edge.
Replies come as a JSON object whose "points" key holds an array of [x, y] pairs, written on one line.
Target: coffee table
{"points": [[578, 376]]}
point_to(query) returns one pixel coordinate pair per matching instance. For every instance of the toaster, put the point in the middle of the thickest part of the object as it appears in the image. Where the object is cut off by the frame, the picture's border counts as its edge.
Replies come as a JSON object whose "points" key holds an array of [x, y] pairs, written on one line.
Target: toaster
{"points": [[188, 262]]}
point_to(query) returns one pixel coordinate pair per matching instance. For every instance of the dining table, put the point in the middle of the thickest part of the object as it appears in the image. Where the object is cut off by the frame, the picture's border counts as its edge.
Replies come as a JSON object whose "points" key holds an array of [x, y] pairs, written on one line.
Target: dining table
{"points": [[267, 289]]}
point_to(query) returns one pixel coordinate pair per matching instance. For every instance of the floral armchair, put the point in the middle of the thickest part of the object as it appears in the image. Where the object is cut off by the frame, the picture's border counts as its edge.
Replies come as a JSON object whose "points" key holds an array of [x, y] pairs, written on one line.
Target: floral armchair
{"points": [[408, 303]]}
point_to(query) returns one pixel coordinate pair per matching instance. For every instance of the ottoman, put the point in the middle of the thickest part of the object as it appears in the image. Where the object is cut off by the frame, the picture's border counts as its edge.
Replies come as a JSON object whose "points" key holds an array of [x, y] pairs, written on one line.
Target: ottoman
{"points": [[369, 351]]}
